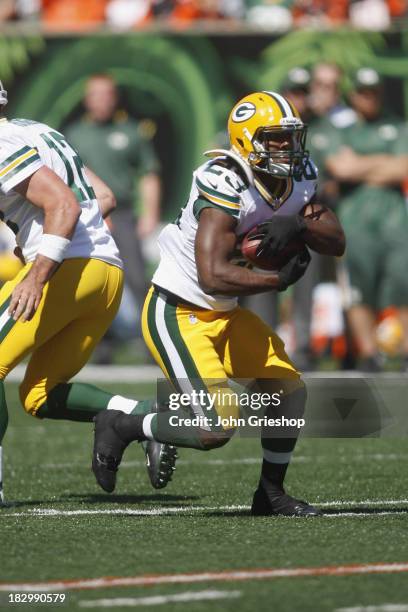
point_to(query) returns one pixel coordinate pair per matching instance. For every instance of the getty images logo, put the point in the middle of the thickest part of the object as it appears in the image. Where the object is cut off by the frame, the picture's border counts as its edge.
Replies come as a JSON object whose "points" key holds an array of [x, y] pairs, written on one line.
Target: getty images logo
{"points": [[243, 112]]}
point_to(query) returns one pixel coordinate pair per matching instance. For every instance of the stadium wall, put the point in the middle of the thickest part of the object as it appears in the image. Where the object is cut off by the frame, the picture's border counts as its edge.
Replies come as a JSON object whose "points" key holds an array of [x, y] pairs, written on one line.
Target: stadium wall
{"points": [[184, 82]]}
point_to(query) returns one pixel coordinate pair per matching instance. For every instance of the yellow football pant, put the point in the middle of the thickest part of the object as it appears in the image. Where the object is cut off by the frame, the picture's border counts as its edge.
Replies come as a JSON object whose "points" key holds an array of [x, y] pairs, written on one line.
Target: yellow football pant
{"points": [[200, 349], [10, 265], [77, 307]]}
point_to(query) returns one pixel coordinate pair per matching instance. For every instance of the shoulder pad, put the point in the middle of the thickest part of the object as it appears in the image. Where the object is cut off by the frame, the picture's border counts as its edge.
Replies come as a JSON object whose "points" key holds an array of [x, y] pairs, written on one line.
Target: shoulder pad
{"points": [[220, 185], [18, 157], [234, 161]]}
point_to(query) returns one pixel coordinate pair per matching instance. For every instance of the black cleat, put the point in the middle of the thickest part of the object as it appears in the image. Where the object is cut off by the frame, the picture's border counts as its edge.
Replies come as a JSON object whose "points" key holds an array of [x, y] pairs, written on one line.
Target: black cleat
{"points": [[160, 458], [281, 505], [160, 462], [108, 449]]}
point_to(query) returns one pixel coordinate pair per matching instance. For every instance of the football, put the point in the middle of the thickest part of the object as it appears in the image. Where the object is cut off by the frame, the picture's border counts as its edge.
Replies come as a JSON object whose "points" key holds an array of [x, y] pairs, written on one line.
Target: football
{"points": [[251, 242]]}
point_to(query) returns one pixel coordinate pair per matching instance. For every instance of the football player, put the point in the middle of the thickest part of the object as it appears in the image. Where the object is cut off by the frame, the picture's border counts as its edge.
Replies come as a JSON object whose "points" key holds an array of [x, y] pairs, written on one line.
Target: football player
{"points": [[63, 300], [192, 323]]}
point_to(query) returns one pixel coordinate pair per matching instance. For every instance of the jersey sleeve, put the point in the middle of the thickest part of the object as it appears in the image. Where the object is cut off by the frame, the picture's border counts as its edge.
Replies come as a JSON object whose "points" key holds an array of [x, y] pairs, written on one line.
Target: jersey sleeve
{"points": [[220, 188], [18, 161]]}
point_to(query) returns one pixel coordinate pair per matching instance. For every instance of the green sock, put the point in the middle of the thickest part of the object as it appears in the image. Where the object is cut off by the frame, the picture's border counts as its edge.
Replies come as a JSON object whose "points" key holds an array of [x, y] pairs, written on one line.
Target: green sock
{"points": [[179, 434], [3, 412], [81, 402]]}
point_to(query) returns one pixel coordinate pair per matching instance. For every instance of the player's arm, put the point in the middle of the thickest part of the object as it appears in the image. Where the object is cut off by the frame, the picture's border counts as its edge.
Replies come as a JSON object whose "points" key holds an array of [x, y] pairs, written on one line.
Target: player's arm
{"points": [[317, 226], [389, 170], [104, 194], [47, 191], [214, 246], [323, 232], [380, 169]]}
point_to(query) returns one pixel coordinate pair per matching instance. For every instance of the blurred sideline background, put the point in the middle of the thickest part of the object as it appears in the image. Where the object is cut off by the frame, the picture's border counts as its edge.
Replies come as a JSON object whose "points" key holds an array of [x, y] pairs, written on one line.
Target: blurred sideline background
{"points": [[169, 72]]}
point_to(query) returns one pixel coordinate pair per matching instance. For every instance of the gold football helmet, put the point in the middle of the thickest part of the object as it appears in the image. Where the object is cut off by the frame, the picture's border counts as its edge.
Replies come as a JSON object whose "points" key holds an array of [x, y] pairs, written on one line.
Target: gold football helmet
{"points": [[264, 117]]}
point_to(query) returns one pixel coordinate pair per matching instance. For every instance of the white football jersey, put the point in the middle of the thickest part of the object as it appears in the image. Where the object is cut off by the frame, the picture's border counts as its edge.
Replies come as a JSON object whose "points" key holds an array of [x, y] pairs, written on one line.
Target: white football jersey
{"points": [[26, 146], [216, 184]]}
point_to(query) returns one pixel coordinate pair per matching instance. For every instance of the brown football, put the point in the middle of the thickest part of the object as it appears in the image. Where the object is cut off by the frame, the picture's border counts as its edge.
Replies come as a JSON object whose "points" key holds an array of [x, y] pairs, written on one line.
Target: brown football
{"points": [[250, 243]]}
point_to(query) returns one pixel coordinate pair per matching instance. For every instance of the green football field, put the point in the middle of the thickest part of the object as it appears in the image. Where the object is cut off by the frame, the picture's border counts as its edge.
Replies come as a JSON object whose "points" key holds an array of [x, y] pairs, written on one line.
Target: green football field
{"points": [[59, 526]]}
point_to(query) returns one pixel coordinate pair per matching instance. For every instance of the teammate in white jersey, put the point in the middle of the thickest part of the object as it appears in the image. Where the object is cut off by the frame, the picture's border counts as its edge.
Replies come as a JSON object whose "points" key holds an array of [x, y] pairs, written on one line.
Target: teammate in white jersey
{"points": [[63, 300], [191, 322]]}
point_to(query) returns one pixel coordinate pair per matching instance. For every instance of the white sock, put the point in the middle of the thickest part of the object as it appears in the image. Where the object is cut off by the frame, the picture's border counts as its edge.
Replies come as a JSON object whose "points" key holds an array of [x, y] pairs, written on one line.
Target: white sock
{"points": [[272, 457], [147, 429], [124, 404]]}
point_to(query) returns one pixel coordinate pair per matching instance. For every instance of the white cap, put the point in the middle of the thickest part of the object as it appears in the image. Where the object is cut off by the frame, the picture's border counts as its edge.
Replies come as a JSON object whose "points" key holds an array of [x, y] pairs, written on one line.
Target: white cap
{"points": [[366, 77], [3, 95]]}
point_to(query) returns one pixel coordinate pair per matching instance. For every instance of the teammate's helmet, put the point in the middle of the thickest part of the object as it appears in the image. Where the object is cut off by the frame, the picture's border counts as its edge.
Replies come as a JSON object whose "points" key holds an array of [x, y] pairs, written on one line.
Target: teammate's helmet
{"points": [[3, 95], [259, 117]]}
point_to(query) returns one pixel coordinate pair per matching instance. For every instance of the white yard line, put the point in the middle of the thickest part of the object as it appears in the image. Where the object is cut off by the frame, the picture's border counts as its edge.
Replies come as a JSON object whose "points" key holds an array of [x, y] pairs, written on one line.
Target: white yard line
{"points": [[52, 512], [220, 576], [164, 510], [158, 599], [363, 514], [361, 502]]}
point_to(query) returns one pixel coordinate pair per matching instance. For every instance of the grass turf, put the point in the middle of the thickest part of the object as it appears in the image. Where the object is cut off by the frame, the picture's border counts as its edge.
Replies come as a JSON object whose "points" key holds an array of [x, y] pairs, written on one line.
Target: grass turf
{"points": [[47, 466]]}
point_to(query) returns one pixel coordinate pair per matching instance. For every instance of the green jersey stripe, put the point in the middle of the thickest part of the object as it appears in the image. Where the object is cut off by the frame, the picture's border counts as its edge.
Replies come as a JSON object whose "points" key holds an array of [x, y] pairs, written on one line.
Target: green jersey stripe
{"points": [[14, 156], [202, 203], [4, 179]]}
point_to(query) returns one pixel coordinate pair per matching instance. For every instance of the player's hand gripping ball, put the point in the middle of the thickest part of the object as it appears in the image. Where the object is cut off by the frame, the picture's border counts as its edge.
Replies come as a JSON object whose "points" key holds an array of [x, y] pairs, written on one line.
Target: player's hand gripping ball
{"points": [[266, 260]]}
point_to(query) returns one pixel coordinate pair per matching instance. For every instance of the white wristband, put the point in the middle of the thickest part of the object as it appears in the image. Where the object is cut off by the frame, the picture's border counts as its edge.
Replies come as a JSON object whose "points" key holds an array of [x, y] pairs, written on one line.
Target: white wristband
{"points": [[54, 247]]}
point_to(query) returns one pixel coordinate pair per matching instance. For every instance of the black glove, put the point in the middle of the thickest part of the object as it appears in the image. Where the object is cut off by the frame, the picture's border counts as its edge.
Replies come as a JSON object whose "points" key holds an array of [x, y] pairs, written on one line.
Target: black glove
{"points": [[278, 232], [294, 269]]}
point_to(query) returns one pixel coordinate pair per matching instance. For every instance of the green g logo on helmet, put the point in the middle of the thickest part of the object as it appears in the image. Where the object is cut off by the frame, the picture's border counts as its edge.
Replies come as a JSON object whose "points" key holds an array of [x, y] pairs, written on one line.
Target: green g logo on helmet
{"points": [[243, 112]]}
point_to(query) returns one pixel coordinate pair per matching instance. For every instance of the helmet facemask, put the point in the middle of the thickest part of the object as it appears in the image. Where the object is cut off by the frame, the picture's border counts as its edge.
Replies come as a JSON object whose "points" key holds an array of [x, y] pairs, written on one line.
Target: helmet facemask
{"points": [[280, 163]]}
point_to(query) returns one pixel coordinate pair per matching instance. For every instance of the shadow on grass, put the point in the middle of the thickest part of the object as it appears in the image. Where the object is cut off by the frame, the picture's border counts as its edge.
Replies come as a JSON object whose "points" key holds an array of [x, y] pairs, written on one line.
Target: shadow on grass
{"points": [[10, 504], [229, 513], [102, 498], [159, 498]]}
